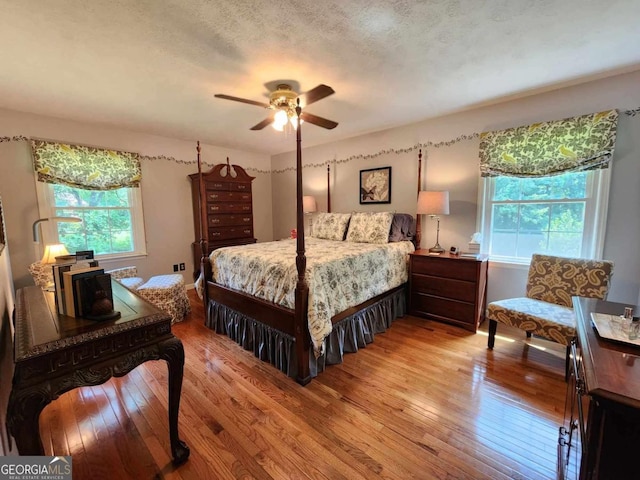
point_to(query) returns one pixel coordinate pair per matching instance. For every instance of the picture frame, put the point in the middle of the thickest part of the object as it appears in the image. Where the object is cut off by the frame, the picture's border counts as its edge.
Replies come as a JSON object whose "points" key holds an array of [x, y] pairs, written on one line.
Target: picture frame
{"points": [[375, 185]]}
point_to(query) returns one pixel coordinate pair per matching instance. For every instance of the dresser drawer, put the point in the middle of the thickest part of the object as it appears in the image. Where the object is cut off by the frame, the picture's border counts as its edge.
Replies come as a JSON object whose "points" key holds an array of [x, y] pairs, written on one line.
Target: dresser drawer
{"points": [[223, 220], [228, 186], [223, 233], [229, 208], [219, 196], [442, 307], [444, 267], [444, 287], [240, 187], [217, 186]]}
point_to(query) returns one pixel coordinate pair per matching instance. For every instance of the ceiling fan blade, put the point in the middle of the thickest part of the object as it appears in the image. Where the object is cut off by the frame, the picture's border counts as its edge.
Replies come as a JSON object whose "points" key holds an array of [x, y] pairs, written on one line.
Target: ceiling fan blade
{"points": [[315, 94], [243, 100], [264, 123], [319, 121]]}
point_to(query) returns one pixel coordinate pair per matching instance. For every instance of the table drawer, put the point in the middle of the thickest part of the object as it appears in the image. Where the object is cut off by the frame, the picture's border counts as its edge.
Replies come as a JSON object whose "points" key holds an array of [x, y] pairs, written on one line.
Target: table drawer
{"points": [[444, 287], [445, 267], [442, 307]]}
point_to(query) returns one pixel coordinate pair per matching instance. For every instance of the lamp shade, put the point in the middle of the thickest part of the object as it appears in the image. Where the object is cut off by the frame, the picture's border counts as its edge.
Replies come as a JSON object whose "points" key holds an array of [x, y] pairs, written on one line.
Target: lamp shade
{"points": [[433, 203], [309, 204], [52, 251]]}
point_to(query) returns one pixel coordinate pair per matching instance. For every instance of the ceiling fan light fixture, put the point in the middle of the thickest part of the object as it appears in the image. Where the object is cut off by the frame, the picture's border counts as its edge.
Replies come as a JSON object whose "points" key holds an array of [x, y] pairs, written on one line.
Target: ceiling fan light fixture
{"points": [[280, 120]]}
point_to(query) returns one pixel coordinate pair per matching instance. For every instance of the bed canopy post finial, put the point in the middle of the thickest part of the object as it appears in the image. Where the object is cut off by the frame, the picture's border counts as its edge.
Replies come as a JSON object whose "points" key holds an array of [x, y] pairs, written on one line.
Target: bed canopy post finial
{"points": [[302, 289], [418, 225]]}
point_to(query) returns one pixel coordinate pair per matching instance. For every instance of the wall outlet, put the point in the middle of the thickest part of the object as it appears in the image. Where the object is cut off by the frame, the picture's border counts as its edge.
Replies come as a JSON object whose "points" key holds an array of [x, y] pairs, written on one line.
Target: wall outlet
{"points": [[181, 267], [175, 267]]}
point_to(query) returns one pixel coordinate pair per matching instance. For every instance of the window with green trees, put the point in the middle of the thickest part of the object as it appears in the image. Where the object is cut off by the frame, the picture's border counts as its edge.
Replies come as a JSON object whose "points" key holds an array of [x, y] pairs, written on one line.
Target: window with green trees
{"points": [[111, 219], [559, 215]]}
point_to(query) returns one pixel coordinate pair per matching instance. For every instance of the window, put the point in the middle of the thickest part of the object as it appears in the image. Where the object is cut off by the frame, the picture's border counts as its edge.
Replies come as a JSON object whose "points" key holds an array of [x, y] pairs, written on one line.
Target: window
{"points": [[112, 224], [560, 215]]}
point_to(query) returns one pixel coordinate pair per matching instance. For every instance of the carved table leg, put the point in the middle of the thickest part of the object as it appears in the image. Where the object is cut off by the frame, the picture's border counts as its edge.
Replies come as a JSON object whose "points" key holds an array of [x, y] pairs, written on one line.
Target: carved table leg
{"points": [[23, 414], [172, 351]]}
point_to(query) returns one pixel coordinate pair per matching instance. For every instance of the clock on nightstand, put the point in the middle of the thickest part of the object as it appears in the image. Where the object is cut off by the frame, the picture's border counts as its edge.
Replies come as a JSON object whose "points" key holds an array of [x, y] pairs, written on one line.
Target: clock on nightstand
{"points": [[448, 288]]}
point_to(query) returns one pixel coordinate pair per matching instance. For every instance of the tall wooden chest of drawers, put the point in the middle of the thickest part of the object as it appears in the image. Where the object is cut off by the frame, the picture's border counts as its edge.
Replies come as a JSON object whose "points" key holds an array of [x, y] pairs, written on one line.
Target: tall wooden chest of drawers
{"points": [[449, 288], [229, 209]]}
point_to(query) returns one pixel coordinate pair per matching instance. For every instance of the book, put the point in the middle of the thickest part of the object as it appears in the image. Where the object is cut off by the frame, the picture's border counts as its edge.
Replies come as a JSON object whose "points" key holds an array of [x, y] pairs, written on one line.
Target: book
{"points": [[58, 282], [71, 299]]}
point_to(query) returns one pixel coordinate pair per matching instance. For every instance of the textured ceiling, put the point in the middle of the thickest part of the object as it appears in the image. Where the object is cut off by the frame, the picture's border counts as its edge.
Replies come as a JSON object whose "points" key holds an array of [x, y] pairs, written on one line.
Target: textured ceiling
{"points": [[154, 65]]}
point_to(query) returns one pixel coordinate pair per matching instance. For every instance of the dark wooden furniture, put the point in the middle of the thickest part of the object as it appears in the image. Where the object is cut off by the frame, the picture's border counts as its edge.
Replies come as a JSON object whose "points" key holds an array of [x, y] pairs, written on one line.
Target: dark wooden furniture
{"points": [[56, 353], [229, 209], [292, 322], [449, 288], [602, 429]]}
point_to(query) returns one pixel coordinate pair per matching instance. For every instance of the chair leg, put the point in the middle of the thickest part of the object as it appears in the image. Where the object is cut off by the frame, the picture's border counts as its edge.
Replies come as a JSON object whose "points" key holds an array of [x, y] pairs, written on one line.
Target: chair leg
{"points": [[567, 363], [493, 326]]}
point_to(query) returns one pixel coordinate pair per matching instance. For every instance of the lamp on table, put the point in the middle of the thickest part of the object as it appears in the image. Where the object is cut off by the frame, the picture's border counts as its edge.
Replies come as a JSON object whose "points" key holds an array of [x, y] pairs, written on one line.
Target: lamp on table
{"points": [[309, 205], [434, 204]]}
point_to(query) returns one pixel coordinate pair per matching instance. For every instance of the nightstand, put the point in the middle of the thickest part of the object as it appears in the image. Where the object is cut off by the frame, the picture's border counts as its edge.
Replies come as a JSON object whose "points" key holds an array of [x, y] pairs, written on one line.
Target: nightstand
{"points": [[449, 288]]}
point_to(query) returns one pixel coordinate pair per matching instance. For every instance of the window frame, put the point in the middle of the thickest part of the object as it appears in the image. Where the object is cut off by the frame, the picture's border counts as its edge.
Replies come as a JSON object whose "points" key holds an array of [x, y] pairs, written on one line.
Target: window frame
{"points": [[47, 208], [595, 217]]}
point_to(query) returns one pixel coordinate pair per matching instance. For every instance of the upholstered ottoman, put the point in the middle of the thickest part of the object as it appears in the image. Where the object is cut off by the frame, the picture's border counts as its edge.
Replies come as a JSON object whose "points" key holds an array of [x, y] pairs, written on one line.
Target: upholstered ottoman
{"points": [[168, 293]]}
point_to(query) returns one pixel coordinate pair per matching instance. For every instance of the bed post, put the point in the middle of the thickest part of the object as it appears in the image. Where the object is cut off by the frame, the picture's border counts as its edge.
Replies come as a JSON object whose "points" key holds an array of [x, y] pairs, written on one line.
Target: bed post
{"points": [[328, 187], [204, 233], [302, 290], [418, 226]]}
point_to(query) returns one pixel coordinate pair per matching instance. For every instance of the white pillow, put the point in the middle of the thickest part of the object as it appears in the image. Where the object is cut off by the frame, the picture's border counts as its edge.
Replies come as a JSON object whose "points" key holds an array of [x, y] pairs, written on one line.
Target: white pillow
{"points": [[370, 227], [330, 226]]}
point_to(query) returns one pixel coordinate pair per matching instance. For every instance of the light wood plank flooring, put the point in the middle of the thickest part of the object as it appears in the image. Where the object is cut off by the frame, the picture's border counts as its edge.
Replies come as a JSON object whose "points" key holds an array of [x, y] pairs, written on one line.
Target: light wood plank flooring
{"points": [[425, 400]]}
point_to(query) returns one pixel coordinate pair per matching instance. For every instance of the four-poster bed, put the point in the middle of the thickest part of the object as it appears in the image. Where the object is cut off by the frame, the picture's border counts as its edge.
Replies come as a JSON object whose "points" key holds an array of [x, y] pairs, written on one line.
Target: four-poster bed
{"points": [[281, 334]]}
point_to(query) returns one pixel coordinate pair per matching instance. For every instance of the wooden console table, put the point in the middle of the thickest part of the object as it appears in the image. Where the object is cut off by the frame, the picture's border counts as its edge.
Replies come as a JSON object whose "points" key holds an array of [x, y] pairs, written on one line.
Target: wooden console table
{"points": [[603, 397], [55, 353]]}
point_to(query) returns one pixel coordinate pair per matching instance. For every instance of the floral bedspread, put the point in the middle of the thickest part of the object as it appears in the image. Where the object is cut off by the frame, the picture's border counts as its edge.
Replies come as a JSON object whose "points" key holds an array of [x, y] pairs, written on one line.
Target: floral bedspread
{"points": [[340, 275]]}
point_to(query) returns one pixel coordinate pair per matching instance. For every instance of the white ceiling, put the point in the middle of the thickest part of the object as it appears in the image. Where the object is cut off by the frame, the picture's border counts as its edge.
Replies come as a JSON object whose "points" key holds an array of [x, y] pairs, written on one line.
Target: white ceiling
{"points": [[154, 65]]}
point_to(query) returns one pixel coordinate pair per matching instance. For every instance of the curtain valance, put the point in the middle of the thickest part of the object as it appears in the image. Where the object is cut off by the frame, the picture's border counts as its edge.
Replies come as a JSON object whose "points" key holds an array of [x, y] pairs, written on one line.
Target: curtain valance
{"points": [[85, 167], [574, 144]]}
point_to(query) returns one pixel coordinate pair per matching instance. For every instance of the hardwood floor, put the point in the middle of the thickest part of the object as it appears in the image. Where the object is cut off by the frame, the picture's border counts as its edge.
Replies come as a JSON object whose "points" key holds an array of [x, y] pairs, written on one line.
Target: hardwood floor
{"points": [[425, 400]]}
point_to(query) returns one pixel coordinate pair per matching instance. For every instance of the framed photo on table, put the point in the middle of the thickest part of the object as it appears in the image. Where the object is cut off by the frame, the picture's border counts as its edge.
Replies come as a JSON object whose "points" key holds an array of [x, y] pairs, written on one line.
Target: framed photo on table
{"points": [[375, 185]]}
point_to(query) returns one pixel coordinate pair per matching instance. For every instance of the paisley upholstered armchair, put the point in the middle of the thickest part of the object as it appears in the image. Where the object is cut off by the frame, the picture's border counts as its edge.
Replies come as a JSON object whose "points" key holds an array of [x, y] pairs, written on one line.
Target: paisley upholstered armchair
{"points": [[546, 310]]}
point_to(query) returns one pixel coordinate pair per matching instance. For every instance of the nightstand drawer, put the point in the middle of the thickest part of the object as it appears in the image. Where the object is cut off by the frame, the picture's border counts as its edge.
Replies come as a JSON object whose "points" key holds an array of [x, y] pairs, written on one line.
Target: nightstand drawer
{"points": [[444, 287], [445, 267], [443, 308]]}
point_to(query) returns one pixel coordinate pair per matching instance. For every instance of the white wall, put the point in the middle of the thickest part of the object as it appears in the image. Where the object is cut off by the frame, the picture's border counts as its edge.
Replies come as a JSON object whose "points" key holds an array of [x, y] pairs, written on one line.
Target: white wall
{"points": [[166, 190], [456, 168]]}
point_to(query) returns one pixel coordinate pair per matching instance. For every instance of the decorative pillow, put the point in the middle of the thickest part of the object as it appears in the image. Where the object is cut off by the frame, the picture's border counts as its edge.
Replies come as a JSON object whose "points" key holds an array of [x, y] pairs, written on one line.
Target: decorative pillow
{"points": [[370, 227], [403, 227], [330, 226]]}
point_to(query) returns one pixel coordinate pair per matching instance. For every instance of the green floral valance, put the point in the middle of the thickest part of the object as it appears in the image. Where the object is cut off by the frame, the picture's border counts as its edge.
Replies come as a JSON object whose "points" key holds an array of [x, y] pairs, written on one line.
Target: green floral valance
{"points": [[85, 167], [550, 148]]}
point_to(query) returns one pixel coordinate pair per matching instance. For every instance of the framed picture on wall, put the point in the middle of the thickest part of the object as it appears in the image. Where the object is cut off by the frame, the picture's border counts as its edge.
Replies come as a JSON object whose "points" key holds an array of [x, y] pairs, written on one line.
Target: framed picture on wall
{"points": [[375, 185]]}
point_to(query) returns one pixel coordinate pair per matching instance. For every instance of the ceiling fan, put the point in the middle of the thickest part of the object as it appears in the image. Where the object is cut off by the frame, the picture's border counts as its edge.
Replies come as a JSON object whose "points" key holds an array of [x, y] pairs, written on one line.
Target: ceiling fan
{"points": [[282, 103]]}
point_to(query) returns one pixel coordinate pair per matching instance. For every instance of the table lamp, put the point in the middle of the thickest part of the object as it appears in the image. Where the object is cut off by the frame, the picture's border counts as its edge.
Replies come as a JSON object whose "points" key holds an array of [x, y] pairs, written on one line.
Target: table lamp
{"points": [[434, 204]]}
